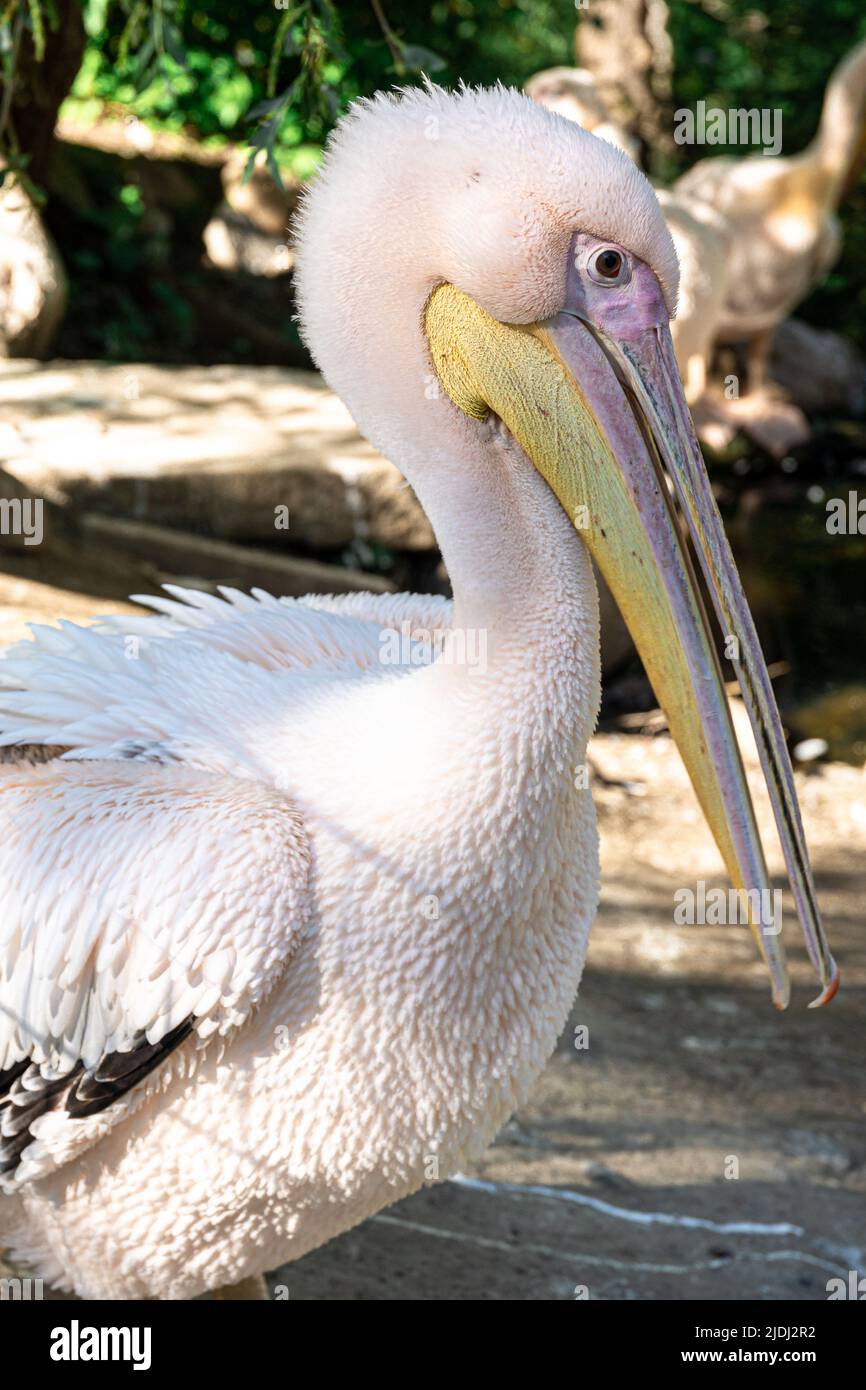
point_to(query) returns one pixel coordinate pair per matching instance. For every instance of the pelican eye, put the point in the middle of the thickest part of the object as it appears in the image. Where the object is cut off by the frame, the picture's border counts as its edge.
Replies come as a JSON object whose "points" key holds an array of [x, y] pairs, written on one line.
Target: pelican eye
{"points": [[608, 267]]}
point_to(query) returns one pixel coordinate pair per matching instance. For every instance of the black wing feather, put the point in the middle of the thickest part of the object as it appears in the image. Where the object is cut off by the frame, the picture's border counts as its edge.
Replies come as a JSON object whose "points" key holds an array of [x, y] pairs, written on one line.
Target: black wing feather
{"points": [[25, 1094]]}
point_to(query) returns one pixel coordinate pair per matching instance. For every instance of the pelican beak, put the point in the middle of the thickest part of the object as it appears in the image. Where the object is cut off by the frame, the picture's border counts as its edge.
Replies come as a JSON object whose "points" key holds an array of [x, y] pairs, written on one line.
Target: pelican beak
{"points": [[605, 422]]}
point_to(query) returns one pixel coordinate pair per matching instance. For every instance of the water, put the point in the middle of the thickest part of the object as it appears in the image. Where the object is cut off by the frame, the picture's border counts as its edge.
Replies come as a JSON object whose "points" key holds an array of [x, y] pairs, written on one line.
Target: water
{"points": [[807, 588]]}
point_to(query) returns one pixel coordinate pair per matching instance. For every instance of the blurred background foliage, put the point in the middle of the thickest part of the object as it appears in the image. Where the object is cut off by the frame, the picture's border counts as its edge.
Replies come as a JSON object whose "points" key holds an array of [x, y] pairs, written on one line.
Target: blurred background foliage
{"points": [[273, 76], [237, 55], [160, 99]]}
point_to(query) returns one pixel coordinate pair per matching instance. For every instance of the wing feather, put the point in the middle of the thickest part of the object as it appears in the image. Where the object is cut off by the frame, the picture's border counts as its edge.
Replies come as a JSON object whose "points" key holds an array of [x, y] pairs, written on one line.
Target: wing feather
{"points": [[152, 879], [156, 687], [141, 904]]}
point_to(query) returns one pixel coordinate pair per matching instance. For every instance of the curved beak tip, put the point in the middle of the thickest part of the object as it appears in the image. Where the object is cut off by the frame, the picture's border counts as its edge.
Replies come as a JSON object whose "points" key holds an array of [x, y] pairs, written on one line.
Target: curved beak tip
{"points": [[781, 997], [831, 988]]}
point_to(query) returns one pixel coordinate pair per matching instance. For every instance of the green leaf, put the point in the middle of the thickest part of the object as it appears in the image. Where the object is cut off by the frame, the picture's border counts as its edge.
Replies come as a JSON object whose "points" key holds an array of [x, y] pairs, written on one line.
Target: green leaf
{"points": [[267, 108], [274, 168]]}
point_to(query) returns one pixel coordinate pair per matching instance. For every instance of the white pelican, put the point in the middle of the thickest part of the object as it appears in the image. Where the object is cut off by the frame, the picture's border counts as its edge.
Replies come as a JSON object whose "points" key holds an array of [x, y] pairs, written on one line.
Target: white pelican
{"points": [[573, 93], [703, 243], [294, 923], [781, 213]]}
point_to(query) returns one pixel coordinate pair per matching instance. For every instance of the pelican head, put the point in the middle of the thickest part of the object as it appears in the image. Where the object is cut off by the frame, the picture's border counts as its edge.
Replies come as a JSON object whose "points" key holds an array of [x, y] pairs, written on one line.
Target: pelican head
{"points": [[471, 265]]}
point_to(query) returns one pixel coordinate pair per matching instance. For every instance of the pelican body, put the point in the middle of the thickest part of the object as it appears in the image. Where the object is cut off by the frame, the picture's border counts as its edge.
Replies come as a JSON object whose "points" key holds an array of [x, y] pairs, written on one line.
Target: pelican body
{"points": [[291, 925]]}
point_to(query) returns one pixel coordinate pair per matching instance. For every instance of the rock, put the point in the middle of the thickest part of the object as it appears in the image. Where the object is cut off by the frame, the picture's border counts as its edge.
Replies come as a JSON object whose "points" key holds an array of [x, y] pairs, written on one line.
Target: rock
{"points": [[259, 197], [240, 566], [821, 371], [22, 516], [250, 229], [810, 749], [775, 425], [230, 451], [128, 136], [32, 279], [233, 243]]}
